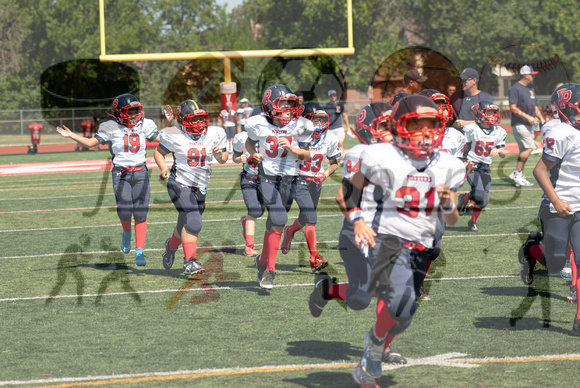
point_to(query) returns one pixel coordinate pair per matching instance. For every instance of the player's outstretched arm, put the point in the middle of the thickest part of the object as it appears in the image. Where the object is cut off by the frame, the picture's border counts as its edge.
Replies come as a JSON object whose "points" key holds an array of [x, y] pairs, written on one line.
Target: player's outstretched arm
{"points": [[159, 156], [348, 199], [85, 142], [447, 205]]}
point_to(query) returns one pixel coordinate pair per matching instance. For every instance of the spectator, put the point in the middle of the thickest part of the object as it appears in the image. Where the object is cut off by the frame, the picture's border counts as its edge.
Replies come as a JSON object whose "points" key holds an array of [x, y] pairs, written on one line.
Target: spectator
{"points": [[462, 101], [243, 113], [228, 121], [413, 85], [336, 115], [450, 90], [300, 96], [526, 117]]}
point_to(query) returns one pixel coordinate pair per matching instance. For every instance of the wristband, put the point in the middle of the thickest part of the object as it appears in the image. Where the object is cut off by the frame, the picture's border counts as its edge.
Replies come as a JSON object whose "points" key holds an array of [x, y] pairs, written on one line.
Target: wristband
{"points": [[355, 214], [448, 210]]}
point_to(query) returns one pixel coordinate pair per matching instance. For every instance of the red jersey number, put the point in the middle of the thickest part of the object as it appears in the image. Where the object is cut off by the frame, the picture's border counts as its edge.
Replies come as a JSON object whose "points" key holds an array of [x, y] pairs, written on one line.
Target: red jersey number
{"points": [[196, 157], [272, 148], [132, 142], [314, 164], [350, 167], [483, 148], [413, 203]]}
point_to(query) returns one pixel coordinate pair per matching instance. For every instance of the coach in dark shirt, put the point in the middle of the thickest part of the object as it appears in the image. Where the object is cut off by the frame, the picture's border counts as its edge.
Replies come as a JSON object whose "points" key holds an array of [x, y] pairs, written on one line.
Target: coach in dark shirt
{"points": [[463, 100]]}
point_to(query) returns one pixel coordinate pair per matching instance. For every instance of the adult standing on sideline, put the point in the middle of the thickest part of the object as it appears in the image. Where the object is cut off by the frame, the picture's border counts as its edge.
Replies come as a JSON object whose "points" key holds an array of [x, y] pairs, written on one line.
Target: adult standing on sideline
{"points": [[526, 115], [413, 81], [462, 101], [336, 114], [243, 112]]}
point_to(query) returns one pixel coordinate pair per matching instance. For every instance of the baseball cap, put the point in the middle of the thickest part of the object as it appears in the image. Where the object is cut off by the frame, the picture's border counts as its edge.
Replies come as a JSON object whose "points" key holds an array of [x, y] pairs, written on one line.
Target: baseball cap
{"points": [[468, 73], [243, 100], [527, 70], [331, 92], [414, 75]]}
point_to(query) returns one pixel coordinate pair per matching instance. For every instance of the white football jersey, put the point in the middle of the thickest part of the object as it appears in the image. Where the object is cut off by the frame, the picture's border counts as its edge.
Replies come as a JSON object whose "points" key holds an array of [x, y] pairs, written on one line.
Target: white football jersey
{"points": [[326, 147], [410, 200], [483, 141], [453, 142], [562, 145], [371, 194], [127, 144], [192, 156], [277, 161], [239, 145]]}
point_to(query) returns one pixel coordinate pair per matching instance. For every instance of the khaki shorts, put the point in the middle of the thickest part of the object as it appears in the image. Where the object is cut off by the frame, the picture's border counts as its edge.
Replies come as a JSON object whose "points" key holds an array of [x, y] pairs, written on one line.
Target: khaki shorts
{"points": [[524, 135], [339, 132]]}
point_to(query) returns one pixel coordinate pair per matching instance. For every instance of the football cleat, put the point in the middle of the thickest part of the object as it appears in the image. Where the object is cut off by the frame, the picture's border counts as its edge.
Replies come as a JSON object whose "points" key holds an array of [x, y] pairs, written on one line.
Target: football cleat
{"points": [[126, 242], [572, 295], [392, 357], [267, 280], [319, 296], [422, 294], [286, 241], [140, 257], [527, 272], [472, 226], [372, 358], [317, 263], [362, 378], [250, 250], [168, 256], [461, 205], [261, 268], [576, 327], [191, 267]]}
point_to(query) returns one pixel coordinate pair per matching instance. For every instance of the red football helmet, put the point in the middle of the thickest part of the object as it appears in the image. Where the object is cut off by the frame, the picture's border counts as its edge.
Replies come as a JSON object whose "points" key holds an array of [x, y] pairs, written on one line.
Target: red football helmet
{"points": [[486, 113], [373, 123], [278, 101], [442, 102], [127, 110], [314, 112], [418, 126], [192, 117]]}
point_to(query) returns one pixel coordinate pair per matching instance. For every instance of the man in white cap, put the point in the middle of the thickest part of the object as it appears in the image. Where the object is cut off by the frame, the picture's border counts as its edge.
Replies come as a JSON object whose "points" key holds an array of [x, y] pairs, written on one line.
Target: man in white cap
{"points": [[336, 115], [526, 116], [243, 112]]}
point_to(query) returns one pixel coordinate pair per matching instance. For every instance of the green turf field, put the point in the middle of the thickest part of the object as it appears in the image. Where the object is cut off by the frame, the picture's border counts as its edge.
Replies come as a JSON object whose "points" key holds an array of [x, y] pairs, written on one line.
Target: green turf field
{"points": [[111, 323]]}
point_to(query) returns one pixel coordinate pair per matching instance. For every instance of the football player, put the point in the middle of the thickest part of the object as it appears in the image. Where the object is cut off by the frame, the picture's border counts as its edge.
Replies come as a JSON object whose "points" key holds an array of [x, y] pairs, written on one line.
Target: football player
{"points": [[249, 183], [193, 144], [485, 139], [126, 135], [415, 182], [556, 173], [309, 186], [277, 140]]}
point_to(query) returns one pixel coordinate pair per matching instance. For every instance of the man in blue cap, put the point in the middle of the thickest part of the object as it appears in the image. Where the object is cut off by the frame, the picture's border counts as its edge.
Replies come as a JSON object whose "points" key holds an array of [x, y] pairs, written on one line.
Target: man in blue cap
{"points": [[336, 114], [463, 100]]}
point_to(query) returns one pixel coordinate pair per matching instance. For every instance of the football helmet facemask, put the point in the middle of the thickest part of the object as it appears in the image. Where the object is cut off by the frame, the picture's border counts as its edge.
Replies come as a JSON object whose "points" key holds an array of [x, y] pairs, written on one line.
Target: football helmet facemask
{"points": [[565, 101], [418, 126], [486, 114], [280, 103], [442, 102], [127, 110], [314, 112], [192, 118], [372, 123]]}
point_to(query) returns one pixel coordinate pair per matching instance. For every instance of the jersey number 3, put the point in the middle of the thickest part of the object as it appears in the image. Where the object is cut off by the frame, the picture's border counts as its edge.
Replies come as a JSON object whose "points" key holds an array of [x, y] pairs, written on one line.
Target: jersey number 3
{"points": [[412, 197]]}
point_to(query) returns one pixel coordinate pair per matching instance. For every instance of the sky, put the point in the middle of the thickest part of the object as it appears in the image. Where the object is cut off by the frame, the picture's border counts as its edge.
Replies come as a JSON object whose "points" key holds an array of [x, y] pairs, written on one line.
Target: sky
{"points": [[230, 3]]}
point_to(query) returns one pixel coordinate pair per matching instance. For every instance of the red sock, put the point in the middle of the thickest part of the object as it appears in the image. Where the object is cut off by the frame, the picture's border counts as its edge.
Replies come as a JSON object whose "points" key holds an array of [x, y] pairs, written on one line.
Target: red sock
{"points": [[189, 249], [249, 240], [126, 226], [140, 234], [295, 227], [536, 251], [174, 242], [384, 320], [575, 280], [338, 291], [476, 213], [264, 256], [573, 266], [467, 197], [310, 233], [273, 247]]}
